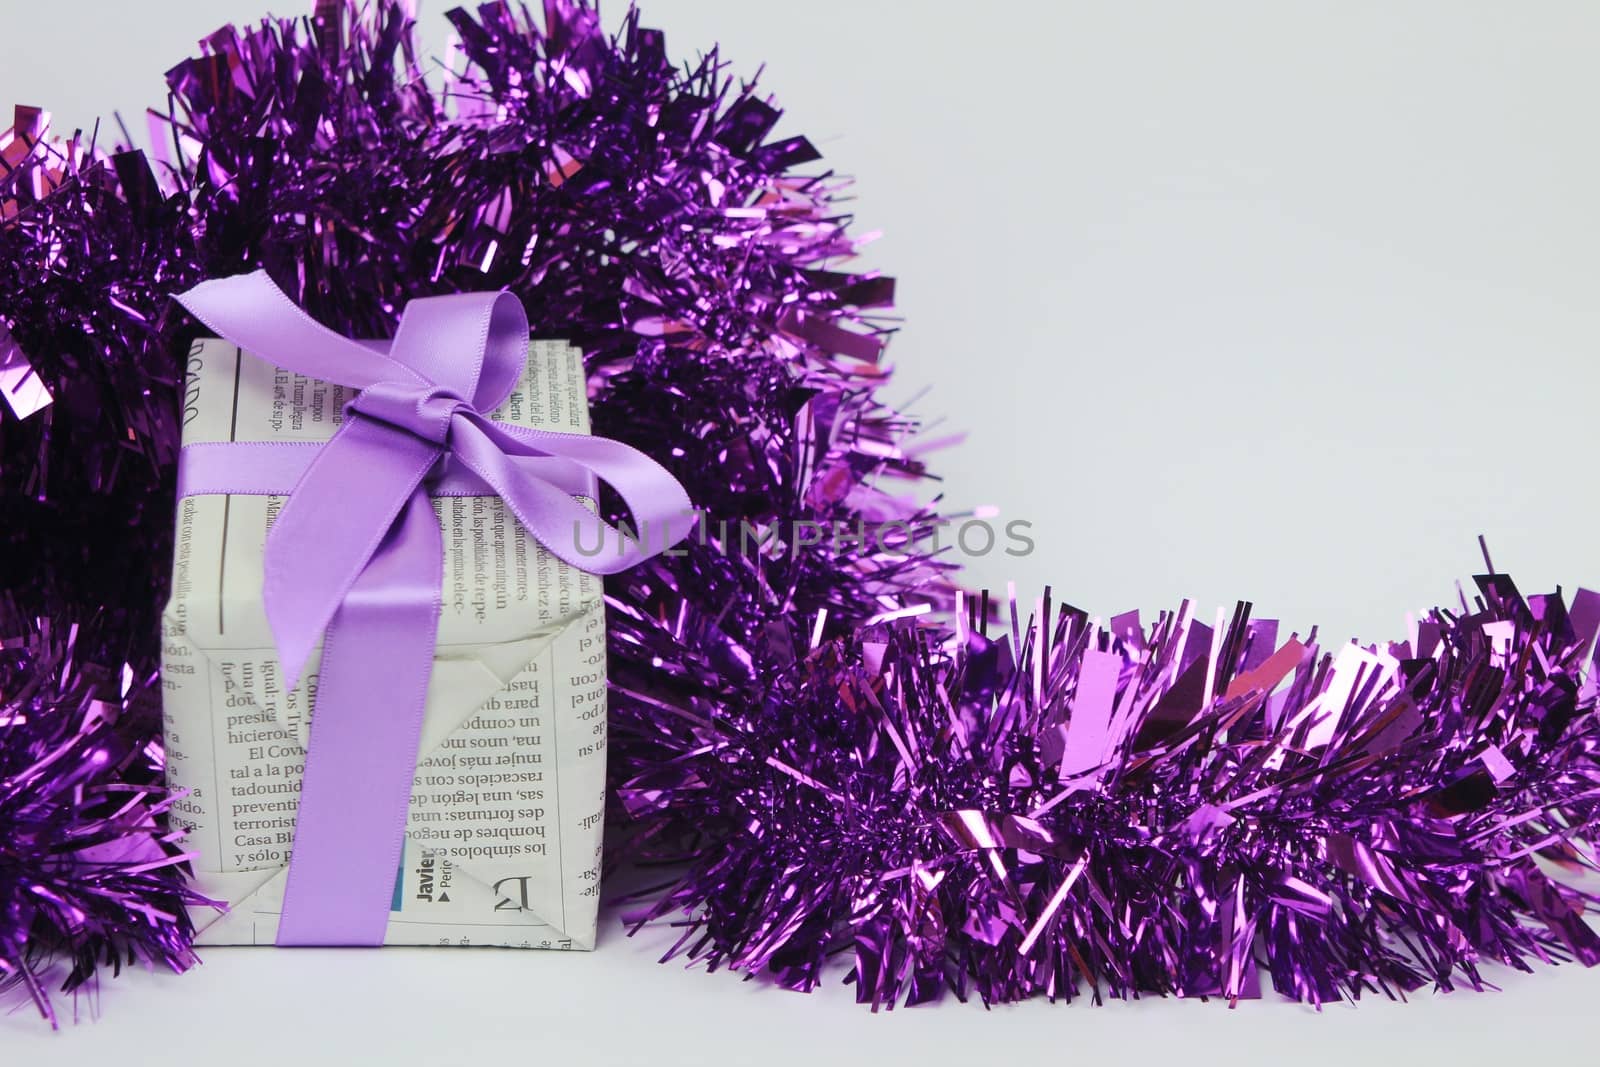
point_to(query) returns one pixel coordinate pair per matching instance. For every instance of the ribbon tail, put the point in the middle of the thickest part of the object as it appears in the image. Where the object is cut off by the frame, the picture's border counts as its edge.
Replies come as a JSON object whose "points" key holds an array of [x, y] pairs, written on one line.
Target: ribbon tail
{"points": [[365, 729], [330, 527]]}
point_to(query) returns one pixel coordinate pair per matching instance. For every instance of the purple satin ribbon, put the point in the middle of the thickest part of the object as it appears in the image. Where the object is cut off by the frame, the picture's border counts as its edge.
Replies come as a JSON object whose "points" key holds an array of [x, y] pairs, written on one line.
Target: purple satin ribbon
{"points": [[356, 555]]}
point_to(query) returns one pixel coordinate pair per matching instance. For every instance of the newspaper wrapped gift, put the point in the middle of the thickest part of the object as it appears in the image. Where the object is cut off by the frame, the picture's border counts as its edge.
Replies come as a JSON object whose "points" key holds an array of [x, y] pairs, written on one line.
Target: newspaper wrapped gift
{"points": [[502, 842]]}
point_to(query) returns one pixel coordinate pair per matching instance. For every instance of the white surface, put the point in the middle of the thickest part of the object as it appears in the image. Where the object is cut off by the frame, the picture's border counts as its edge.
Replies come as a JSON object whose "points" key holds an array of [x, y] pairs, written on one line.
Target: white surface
{"points": [[616, 1006], [1307, 289]]}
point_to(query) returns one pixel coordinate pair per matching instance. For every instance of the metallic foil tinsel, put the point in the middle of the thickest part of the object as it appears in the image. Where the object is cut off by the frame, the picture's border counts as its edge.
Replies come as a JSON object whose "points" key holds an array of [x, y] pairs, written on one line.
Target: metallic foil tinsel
{"points": [[87, 863], [1113, 808], [1079, 806]]}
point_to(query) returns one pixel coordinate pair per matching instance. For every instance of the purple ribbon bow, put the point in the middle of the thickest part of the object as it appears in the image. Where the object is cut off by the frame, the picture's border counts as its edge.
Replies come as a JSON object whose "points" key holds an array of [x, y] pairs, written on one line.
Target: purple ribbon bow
{"points": [[355, 556]]}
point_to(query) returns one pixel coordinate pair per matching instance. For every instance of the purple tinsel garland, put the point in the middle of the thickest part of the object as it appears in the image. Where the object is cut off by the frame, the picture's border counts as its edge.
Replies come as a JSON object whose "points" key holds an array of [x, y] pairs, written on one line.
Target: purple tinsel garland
{"points": [[1066, 805], [1137, 809], [87, 864]]}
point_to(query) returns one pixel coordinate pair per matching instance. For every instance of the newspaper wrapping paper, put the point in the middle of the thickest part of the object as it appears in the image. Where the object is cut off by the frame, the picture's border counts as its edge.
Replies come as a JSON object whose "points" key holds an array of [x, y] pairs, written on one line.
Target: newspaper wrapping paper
{"points": [[503, 835]]}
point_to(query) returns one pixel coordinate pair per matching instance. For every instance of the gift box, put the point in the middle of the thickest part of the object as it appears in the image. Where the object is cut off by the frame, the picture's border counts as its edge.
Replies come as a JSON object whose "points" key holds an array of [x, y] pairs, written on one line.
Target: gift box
{"points": [[503, 831]]}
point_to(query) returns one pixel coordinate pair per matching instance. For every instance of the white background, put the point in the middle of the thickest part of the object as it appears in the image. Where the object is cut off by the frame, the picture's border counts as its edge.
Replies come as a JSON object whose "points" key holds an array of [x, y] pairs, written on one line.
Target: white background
{"points": [[1282, 301]]}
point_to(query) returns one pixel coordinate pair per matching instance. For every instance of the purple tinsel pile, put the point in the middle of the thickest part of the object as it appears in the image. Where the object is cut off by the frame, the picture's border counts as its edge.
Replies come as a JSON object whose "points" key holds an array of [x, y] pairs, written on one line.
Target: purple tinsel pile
{"points": [[1128, 809], [1066, 805], [87, 864]]}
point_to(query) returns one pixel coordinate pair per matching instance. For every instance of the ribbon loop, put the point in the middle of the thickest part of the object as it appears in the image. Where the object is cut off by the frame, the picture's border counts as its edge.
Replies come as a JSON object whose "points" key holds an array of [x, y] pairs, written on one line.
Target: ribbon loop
{"points": [[356, 549], [473, 344]]}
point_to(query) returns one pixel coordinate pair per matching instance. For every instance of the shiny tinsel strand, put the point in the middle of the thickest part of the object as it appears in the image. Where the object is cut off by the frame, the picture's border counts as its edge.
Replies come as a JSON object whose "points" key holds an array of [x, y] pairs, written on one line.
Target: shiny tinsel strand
{"points": [[88, 865], [1122, 810]]}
